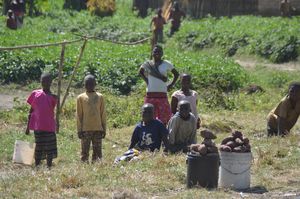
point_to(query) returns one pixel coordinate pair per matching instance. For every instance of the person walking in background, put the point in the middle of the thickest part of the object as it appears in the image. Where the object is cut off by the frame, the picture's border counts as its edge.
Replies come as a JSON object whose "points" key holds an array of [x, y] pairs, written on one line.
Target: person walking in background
{"points": [[154, 73], [11, 22], [286, 8], [186, 93], [91, 120], [175, 17], [158, 23], [41, 121]]}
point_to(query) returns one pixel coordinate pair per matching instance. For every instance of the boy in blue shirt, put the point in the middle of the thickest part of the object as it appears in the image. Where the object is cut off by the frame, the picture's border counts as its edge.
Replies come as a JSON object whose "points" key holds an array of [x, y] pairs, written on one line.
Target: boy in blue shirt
{"points": [[149, 133]]}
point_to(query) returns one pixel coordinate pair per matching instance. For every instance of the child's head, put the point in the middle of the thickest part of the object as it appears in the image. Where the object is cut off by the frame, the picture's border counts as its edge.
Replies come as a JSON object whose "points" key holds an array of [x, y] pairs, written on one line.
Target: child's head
{"points": [[159, 11], [294, 91], [90, 83], [185, 81], [147, 112], [157, 52], [46, 81], [10, 13], [176, 5], [184, 109]]}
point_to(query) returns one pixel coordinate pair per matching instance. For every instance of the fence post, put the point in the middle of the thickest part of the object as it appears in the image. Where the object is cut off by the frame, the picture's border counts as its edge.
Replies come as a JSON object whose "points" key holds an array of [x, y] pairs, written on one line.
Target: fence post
{"points": [[74, 72], [60, 67]]}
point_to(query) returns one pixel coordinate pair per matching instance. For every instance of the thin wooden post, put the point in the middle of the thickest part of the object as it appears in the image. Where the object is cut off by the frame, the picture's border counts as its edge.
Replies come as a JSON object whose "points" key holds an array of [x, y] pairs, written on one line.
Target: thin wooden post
{"points": [[60, 67], [74, 72]]}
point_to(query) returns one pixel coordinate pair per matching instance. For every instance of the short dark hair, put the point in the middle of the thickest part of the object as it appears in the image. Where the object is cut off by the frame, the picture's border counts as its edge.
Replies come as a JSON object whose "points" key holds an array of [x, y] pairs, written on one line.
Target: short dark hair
{"points": [[89, 77], [46, 74], [294, 84], [159, 47]]}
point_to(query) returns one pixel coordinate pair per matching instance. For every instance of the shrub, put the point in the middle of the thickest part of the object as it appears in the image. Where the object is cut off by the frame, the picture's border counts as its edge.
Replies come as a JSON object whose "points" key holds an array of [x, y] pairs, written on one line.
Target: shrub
{"points": [[101, 7]]}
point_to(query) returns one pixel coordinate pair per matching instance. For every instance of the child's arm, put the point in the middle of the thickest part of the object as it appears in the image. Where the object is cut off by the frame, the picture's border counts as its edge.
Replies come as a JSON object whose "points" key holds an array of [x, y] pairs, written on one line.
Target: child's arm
{"points": [[134, 139], [282, 126], [151, 24], [142, 74], [103, 117], [175, 77], [79, 113], [174, 103], [198, 119], [27, 131]]}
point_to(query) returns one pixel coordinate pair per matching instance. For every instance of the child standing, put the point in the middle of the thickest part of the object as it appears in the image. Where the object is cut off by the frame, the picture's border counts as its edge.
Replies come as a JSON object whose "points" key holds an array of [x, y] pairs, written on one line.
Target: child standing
{"points": [[11, 20], [182, 128], [149, 133], [41, 121], [91, 120], [186, 93], [158, 22]]}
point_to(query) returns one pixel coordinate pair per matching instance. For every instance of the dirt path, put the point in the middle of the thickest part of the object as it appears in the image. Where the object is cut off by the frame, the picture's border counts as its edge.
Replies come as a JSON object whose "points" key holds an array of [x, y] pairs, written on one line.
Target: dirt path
{"points": [[252, 63], [7, 101]]}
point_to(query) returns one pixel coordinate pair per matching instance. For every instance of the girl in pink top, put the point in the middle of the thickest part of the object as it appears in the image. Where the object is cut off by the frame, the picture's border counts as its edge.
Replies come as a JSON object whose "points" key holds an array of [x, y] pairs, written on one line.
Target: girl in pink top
{"points": [[186, 93], [41, 121]]}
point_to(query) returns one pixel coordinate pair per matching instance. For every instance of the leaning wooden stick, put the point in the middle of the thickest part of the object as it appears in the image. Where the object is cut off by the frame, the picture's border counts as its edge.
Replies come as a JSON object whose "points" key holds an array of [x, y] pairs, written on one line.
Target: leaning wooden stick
{"points": [[74, 72], [60, 67]]}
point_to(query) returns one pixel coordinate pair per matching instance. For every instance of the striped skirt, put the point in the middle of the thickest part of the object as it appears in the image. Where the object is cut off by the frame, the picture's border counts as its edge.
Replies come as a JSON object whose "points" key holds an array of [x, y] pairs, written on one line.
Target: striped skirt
{"points": [[46, 146]]}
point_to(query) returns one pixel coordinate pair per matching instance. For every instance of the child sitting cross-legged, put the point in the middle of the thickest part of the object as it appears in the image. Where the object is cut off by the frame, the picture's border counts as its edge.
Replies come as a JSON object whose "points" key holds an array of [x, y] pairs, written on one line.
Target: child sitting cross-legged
{"points": [[182, 128], [149, 133]]}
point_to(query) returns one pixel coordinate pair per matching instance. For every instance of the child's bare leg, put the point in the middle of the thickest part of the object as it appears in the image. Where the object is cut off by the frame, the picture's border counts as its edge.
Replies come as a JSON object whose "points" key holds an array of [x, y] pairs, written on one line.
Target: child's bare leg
{"points": [[85, 146], [49, 160], [97, 147], [37, 161]]}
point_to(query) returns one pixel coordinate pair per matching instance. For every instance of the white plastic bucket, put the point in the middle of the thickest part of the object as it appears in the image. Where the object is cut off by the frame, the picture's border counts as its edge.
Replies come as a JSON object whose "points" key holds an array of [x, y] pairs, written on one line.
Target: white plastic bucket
{"points": [[23, 152], [234, 170]]}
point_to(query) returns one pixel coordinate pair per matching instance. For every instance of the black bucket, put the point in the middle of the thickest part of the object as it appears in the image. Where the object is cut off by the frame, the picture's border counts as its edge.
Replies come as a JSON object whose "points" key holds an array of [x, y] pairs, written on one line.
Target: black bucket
{"points": [[203, 170]]}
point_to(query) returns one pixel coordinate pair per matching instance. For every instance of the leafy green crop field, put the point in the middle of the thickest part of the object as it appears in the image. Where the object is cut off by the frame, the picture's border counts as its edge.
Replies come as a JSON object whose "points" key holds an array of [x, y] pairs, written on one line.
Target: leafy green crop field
{"points": [[205, 48]]}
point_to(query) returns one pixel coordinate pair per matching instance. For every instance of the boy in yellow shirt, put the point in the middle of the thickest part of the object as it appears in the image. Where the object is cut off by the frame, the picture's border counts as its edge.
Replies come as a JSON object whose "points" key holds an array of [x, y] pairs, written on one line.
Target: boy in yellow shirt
{"points": [[283, 117], [91, 120]]}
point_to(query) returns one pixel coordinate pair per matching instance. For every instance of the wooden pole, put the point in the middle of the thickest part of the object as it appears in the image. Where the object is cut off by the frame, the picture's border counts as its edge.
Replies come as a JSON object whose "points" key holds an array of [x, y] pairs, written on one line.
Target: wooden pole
{"points": [[74, 72], [60, 67], [39, 45]]}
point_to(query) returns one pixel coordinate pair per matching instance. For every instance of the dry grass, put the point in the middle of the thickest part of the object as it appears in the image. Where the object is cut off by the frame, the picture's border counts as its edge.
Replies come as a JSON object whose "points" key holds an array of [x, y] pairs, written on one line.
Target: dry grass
{"points": [[275, 166]]}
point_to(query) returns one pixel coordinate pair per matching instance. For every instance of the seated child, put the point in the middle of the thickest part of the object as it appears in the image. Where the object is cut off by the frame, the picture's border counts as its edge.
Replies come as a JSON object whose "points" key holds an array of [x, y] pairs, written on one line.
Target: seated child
{"points": [[91, 120], [11, 22], [182, 128], [186, 93], [149, 133], [283, 117]]}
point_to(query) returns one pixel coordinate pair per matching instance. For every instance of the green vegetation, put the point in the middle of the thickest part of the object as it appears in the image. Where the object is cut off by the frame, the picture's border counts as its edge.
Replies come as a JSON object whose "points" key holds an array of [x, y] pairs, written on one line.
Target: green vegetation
{"points": [[273, 38], [201, 48]]}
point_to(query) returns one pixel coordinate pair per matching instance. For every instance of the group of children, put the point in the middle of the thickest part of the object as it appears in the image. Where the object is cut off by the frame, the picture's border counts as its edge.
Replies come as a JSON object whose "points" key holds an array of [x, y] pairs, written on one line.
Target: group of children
{"points": [[15, 14], [158, 21], [173, 125]]}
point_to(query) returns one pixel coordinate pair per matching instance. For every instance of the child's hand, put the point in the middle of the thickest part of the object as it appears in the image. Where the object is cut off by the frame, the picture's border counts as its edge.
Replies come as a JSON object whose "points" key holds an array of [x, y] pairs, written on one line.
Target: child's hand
{"points": [[103, 134], [80, 134], [27, 131], [198, 123]]}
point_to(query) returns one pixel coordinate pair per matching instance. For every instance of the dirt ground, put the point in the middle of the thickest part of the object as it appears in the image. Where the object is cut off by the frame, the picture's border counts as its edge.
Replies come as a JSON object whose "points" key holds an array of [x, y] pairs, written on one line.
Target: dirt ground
{"points": [[250, 63]]}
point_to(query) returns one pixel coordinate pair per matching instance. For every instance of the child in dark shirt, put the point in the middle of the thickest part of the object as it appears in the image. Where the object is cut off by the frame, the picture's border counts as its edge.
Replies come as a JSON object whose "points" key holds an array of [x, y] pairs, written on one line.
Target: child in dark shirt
{"points": [[149, 133]]}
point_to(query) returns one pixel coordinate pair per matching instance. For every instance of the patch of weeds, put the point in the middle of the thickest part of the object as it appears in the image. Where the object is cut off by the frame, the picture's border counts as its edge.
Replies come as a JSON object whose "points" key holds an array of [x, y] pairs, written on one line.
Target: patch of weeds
{"points": [[69, 182]]}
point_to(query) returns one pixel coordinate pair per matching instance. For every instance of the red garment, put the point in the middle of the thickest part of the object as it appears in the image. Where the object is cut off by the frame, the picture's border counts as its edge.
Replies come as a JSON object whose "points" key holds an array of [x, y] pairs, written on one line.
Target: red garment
{"points": [[162, 108], [42, 117]]}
